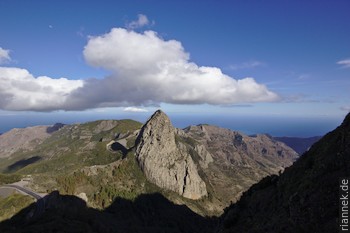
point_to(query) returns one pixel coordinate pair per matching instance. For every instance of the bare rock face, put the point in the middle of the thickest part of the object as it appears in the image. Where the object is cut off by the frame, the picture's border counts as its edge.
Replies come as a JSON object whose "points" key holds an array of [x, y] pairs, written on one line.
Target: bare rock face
{"points": [[236, 161], [164, 162], [25, 139], [259, 152]]}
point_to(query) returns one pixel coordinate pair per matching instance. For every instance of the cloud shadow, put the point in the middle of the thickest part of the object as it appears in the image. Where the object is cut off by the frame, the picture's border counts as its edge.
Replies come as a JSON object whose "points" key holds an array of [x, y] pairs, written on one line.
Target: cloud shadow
{"points": [[22, 163]]}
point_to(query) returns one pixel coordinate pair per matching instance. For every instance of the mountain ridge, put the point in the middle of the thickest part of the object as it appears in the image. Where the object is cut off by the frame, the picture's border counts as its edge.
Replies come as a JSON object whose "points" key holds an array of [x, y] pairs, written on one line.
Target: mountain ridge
{"points": [[204, 167], [299, 144], [304, 198]]}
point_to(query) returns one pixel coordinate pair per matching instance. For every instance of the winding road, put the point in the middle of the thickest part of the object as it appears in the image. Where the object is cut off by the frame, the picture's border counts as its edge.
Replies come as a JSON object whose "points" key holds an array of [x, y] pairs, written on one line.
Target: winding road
{"points": [[23, 190], [40, 200]]}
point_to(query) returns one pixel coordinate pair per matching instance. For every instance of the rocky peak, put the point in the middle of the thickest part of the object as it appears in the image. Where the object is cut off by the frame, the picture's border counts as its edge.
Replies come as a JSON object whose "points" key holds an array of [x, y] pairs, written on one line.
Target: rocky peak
{"points": [[159, 127], [163, 162]]}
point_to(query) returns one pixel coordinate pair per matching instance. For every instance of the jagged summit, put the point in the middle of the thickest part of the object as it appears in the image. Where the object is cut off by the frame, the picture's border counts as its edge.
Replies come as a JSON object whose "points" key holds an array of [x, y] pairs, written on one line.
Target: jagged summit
{"points": [[173, 158], [160, 120], [163, 162], [200, 162], [159, 112]]}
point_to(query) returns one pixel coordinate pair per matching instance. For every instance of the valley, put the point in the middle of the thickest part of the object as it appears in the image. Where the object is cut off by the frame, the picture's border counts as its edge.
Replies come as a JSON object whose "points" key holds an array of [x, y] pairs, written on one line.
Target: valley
{"points": [[109, 167], [174, 116], [101, 160]]}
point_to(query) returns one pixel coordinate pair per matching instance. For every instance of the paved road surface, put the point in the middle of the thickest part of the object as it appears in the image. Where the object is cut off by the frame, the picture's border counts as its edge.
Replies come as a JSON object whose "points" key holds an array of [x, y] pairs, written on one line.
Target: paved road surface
{"points": [[24, 190], [40, 201]]}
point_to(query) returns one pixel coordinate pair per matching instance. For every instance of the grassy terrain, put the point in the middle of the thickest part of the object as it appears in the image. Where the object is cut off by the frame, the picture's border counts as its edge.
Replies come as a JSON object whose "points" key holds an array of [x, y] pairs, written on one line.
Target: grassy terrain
{"points": [[75, 160], [103, 184], [12, 204], [73, 145], [9, 178]]}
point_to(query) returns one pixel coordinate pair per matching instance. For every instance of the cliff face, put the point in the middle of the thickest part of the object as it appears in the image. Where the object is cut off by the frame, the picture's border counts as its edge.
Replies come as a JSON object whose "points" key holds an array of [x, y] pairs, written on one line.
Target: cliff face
{"points": [[235, 148], [202, 162], [238, 160], [164, 162], [229, 162], [304, 198]]}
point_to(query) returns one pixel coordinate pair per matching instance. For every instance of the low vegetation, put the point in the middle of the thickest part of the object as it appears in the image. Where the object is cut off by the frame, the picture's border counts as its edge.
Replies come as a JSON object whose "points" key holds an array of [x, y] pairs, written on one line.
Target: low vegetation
{"points": [[9, 178], [103, 184], [12, 204]]}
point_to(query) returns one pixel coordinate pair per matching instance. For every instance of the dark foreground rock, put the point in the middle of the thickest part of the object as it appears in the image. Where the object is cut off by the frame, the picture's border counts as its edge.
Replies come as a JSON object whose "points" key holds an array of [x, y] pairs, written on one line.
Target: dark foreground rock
{"points": [[304, 198]]}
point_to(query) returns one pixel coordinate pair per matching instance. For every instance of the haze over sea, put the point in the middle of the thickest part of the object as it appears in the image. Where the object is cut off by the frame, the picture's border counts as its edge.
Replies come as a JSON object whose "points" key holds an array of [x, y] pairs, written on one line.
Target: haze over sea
{"points": [[273, 125], [276, 67]]}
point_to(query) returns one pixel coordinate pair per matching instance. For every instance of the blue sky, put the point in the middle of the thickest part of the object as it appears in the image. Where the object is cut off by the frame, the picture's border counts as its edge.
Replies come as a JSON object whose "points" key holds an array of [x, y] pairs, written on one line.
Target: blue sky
{"points": [[296, 55]]}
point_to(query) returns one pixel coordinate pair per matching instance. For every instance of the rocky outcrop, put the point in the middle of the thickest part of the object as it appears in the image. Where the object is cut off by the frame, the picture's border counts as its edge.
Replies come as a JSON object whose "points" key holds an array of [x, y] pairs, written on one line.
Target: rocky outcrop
{"points": [[259, 152], [25, 139], [163, 162], [22, 139], [304, 198], [198, 161], [236, 161]]}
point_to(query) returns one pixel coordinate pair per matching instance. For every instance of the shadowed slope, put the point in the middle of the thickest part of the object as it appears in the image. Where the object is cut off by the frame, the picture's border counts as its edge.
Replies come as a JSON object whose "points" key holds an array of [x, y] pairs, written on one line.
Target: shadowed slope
{"points": [[304, 198], [300, 145], [22, 163], [147, 213]]}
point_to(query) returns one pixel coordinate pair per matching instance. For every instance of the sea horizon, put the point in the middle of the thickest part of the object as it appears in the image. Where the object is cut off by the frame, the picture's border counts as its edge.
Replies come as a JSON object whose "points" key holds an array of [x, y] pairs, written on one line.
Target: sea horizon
{"points": [[276, 126]]}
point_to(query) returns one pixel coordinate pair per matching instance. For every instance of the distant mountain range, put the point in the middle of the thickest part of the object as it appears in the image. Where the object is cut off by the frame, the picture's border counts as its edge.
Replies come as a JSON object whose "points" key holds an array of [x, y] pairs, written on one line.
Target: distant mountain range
{"points": [[300, 145], [156, 178]]}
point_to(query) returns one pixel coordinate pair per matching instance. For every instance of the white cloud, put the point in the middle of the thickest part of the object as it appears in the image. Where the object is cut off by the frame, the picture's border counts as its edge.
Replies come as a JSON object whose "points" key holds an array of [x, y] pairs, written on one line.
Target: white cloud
{"points": [[141, 21], [247, 65], [145, 70], [344, 63], [4, 56], [148, 70], [19, 90], [134, 109]]}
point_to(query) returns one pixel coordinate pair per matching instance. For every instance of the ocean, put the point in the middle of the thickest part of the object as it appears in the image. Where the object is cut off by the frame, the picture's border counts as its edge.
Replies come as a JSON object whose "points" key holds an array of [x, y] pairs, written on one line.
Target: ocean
{"points": [[273, 125]]}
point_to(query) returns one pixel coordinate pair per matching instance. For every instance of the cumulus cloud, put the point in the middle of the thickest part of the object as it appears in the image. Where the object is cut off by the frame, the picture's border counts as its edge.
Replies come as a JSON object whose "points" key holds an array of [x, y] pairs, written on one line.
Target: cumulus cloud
{"points": [[148, 70], [141, 21], [134, 109], [344, 63], [4, 56], [145, 70], [19, 90]]}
